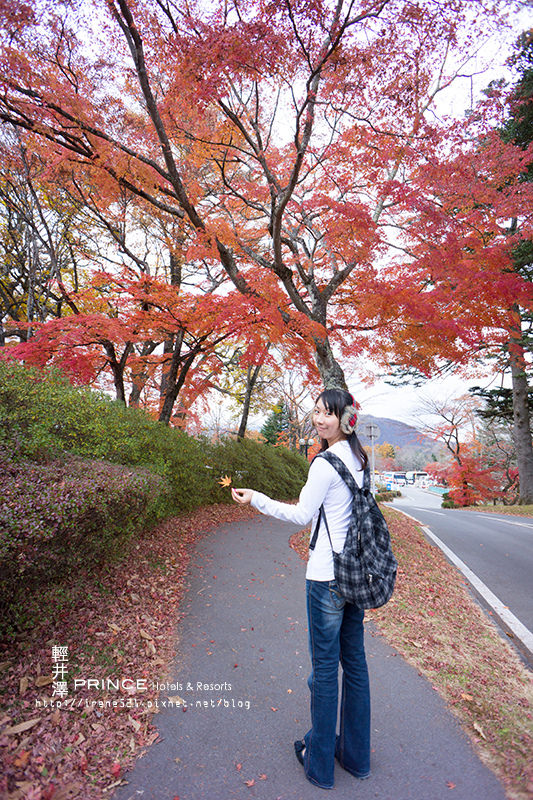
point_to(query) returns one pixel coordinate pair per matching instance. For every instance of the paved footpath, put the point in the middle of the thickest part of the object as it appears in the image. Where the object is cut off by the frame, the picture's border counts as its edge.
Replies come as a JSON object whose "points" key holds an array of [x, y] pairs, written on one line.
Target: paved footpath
{"points": [[244, 631]]}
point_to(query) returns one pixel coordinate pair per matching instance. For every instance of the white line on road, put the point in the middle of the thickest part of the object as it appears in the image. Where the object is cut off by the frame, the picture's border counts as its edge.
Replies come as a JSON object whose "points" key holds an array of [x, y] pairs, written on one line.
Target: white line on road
{"points": [[439, 513], [502, 519], [512, 622]]}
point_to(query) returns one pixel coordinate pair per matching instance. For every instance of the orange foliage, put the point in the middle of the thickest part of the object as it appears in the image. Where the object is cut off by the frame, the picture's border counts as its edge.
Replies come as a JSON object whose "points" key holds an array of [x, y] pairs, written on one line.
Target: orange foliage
{"points": [[299, 156]]}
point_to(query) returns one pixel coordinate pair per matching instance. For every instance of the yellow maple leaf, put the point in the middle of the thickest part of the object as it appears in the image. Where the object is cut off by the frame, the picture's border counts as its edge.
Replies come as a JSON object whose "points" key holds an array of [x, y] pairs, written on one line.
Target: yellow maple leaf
{"points": [[225, 481]]}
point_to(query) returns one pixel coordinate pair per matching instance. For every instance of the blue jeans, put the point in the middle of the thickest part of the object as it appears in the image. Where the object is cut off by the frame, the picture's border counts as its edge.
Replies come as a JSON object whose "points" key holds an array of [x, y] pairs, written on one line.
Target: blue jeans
{"points": [[336, 634]]}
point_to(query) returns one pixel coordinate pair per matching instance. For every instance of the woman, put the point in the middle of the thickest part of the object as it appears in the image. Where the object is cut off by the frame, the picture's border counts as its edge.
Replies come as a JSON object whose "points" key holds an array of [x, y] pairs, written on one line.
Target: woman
{"points": [[335, 626]]}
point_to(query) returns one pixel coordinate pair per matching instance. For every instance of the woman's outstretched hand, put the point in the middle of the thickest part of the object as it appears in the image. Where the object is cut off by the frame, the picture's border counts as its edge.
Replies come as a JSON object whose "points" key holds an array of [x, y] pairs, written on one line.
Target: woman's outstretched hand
{"points": [[242, 496]]}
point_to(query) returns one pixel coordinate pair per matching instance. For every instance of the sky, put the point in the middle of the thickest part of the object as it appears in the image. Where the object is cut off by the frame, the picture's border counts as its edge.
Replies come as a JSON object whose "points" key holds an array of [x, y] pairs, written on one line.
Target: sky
{"points": [[405, 403]]}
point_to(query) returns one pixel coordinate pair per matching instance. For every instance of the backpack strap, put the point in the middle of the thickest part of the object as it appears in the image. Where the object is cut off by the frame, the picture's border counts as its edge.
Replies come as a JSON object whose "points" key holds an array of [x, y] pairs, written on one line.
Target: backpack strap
{"points": [[314, 537], [339, 465], [321, 513]]}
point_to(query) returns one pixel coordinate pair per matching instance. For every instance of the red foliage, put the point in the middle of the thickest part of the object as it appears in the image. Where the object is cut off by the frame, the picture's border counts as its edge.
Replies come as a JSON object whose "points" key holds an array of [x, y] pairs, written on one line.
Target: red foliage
{"points": [[219, 125], [471, 482]]}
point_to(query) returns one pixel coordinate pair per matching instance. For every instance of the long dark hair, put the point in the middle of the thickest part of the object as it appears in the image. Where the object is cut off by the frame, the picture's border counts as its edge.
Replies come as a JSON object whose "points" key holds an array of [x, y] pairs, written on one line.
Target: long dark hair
{"points": [[335, 401]]}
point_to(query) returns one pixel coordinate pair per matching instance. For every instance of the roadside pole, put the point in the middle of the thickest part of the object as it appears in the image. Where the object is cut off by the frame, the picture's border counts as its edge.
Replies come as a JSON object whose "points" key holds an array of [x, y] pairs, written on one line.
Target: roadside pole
{"points": [[372, 432]]}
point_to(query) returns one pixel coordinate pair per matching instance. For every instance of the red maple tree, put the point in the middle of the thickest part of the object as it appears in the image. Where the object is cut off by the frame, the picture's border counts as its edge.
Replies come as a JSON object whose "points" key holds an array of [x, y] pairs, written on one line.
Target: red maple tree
{"points": [[291, 140]]}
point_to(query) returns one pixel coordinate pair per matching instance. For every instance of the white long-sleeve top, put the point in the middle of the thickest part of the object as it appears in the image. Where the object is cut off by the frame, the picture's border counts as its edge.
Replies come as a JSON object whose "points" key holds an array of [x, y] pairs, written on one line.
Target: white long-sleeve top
{"points": [[324, 486]]}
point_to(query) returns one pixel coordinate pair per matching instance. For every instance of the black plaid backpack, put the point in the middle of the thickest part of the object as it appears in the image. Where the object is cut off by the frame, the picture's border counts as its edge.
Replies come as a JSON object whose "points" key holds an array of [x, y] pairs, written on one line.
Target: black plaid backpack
{"points": [[365, 569]]}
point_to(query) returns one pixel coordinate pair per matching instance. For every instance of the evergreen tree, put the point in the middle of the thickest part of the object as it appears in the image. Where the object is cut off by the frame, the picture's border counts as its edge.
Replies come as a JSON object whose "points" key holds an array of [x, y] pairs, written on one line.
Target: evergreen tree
{"points": [[519, 130], [277, 423]]}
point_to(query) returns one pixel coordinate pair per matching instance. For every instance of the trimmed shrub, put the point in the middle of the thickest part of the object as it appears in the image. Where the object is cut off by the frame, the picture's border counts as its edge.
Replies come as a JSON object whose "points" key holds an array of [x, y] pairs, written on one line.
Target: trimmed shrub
{"points": [[62, 517], [64, 506], [447, 501], [276, 471], [42, 415], [384, 496]]}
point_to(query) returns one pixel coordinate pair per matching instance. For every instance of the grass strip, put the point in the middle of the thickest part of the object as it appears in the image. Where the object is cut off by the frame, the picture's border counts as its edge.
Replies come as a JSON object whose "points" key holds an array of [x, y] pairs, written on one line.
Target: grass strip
{"points": [[516, 511]]}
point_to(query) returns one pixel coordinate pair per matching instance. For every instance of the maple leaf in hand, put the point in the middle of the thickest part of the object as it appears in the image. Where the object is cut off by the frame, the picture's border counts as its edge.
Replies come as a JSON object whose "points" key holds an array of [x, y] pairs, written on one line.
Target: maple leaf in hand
{"points": [[225, 481]]}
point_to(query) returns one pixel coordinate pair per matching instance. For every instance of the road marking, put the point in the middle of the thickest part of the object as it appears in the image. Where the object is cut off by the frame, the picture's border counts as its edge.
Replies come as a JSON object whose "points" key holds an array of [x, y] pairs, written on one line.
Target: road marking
{"points": [[503, 519], [518, 628], [416, 508]]}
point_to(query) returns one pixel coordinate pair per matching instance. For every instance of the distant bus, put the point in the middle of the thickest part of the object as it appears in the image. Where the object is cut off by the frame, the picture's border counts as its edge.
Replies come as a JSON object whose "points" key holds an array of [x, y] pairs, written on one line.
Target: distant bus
{"points": [[395, 477], [414, 477]]}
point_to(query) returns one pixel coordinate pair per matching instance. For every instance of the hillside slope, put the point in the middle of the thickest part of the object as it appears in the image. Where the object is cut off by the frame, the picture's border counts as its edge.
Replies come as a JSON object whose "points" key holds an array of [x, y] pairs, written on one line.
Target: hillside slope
{"points": [[394, 432]]}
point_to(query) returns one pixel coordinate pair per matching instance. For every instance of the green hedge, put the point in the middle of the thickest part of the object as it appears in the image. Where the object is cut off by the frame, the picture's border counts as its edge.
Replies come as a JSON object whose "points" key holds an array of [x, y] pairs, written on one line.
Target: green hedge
{"points": [[42, 415], [82, 474], [62, 517], [275, 471]]}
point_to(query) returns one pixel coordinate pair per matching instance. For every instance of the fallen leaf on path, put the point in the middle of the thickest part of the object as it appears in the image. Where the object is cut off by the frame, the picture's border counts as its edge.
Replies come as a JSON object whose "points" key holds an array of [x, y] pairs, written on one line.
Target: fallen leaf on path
{"points": [[69, 792], [175, 698], [479, 729], [22, 759], [43, 680], [225, 481], [21, 727], [135, 724]]}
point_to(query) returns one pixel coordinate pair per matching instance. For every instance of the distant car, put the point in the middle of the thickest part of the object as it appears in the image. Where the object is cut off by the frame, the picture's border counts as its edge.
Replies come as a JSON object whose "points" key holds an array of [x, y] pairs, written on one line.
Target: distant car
{"points": [[401, 482]]}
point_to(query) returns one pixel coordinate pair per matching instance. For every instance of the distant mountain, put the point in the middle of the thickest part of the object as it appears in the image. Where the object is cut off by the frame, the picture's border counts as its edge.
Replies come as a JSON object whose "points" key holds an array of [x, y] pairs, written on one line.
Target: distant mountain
{"points": [[399, 434]]}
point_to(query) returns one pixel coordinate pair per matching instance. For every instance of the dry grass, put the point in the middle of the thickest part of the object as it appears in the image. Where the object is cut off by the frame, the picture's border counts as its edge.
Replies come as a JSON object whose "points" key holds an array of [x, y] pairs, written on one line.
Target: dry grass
{"points": [[519, 511]]}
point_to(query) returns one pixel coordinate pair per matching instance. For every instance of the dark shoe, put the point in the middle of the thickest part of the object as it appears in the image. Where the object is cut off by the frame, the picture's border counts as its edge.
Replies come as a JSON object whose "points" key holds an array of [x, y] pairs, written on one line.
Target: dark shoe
{"points": [[299, 749]]}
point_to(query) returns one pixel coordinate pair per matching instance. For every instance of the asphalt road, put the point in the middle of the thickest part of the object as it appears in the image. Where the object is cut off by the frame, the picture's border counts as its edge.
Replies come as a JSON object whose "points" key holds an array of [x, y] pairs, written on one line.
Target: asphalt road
{"points": [[497, 548]]}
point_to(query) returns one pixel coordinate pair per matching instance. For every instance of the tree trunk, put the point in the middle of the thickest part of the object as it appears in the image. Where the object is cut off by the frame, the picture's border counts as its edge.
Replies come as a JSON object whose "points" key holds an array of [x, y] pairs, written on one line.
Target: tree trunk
{"points": [[168, 373], [251, 379], [140, 376], [118, 367], [521, 421], [174, 390], [174, 377], [169, 377], [330, 370]]}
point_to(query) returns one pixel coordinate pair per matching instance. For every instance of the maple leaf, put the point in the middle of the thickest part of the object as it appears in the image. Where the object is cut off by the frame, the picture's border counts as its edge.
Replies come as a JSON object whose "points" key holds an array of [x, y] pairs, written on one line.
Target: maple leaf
{"points": [[225, 481]]}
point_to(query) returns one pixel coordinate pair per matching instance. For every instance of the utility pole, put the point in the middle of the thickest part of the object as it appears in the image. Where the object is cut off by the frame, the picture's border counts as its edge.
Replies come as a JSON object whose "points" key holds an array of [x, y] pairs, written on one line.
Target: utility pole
{"points": [[372, 432]]}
